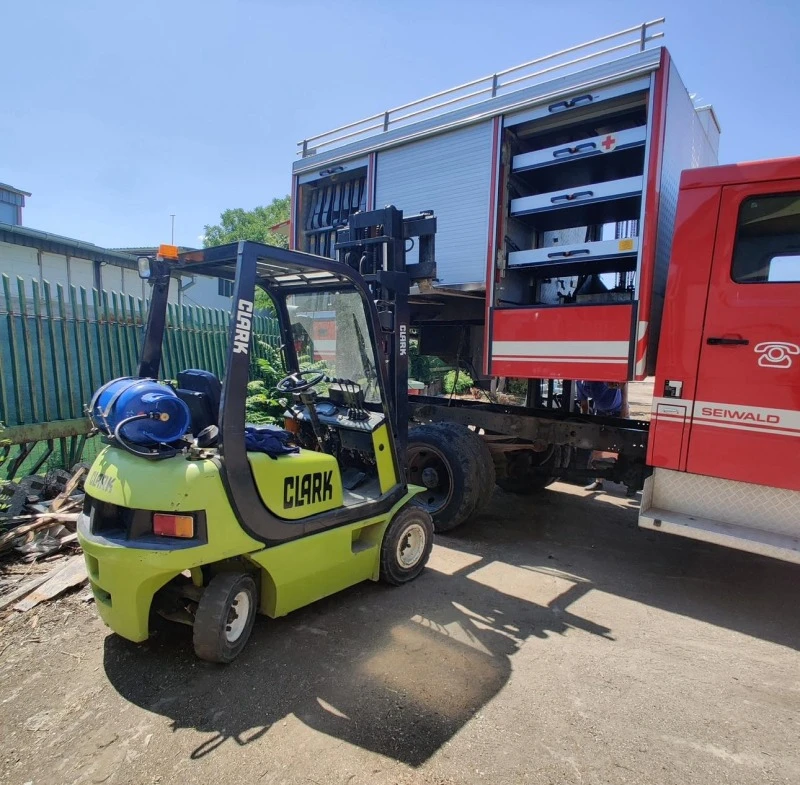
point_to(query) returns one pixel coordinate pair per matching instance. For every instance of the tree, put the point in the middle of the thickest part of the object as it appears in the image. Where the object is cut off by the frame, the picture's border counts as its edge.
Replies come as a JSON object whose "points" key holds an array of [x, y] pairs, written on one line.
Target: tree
{"points": [[240, 224]]}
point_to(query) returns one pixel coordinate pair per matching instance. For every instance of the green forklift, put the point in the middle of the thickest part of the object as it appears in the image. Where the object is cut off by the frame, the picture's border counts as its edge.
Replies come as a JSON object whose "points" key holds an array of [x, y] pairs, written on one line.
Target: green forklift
{"points": [[194, 514]]}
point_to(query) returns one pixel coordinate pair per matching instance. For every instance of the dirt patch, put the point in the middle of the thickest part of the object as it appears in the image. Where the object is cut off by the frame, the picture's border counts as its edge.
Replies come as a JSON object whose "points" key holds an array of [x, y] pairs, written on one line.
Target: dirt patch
{"points": [[550, 641]]}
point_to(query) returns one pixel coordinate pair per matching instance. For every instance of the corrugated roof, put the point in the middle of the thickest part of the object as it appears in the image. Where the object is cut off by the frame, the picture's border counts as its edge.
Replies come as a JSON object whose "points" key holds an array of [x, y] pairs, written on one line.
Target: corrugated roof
{"points": [[148, 250], [11, 188], [56, 243]]}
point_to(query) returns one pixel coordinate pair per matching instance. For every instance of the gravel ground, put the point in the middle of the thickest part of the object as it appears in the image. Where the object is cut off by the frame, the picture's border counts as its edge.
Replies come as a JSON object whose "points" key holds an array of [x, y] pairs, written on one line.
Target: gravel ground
{"points": [[551, 641]]}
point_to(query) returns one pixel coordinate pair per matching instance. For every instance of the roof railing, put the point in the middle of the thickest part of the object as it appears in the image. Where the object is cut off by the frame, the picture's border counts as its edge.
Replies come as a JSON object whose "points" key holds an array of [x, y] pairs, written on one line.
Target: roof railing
{"points": [[487, 86]]}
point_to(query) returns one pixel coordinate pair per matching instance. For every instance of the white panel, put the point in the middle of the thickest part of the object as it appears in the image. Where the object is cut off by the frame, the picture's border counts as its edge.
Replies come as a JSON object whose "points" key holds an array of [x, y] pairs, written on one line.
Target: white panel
{"points": [[205, 293], [54, 269], [174, 296], [111, 278], [132, 282], [581, 99], [585, 148], [450, 174], [81, 273], [577, 196], [577, 252], [19, 260], [338, 168]]}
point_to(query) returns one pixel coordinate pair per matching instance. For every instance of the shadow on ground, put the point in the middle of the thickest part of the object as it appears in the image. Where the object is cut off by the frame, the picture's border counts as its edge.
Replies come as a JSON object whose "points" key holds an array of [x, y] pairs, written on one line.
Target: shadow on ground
{"points": [[400, 671]]}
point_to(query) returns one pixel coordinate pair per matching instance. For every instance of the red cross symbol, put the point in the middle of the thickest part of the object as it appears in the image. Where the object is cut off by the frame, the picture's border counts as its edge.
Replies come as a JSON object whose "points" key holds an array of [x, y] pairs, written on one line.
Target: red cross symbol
{"points": [[609, 143]]}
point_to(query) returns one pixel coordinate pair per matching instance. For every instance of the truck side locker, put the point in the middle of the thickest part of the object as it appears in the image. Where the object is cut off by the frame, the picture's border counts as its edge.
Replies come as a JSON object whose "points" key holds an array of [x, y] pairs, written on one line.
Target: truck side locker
{"points": [[587, 225], [325, 198]]}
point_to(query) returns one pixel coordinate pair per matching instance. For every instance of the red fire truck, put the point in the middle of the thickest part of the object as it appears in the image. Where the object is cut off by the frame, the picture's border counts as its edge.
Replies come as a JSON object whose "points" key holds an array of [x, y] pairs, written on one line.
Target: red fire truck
{"points": [[584, 233]]}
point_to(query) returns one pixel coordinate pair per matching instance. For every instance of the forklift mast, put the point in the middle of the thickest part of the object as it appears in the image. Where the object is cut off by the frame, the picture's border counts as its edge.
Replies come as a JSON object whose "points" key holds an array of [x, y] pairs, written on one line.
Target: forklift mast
{"points": [[374, 244]]}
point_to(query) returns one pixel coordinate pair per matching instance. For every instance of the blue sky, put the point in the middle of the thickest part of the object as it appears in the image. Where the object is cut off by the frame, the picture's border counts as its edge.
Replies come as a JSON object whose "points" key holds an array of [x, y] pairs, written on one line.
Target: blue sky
{"points": [[115, 116]]}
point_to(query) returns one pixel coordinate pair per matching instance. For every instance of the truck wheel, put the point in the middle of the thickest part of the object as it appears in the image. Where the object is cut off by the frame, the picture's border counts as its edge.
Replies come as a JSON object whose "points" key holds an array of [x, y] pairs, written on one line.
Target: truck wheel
{"points": [[225, 616], [406, 545], [447, 466], [486, 471]]}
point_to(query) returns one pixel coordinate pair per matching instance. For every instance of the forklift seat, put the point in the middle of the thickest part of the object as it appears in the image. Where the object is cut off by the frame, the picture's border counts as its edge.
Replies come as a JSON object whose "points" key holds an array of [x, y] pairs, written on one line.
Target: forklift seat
{"points": [[201, 391]]}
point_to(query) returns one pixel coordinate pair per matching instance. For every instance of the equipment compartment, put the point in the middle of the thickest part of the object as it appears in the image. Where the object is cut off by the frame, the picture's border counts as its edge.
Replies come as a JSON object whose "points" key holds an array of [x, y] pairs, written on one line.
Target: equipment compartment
{"points": [[326, 204]]}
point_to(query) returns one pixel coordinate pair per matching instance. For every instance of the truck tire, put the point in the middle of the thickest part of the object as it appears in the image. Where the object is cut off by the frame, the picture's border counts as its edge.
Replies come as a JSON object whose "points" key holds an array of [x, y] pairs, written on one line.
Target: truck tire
{"points": [[445, 462], [225, 616], [406, 545], [486, 471]]}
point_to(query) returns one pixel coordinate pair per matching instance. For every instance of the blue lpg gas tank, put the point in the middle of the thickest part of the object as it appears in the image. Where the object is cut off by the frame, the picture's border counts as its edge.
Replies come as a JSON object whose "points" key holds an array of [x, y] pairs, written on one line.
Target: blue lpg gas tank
{"points": [[126, 397]]}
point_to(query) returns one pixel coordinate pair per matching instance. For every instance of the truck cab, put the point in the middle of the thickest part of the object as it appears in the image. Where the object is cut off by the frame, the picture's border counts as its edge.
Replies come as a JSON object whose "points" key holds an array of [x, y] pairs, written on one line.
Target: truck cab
{"points": [[725, 432]]}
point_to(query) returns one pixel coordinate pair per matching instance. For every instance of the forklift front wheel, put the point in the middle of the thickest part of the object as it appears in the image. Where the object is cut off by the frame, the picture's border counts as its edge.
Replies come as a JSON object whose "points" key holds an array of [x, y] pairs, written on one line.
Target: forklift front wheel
{"points": [[225, 616], [406, 545]]}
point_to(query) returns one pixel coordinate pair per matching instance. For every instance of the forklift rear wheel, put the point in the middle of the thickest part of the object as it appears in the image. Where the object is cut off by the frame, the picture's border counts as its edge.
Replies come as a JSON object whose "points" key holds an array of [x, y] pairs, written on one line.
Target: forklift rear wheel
{"points": [[441, 457], [225, 616], [406, 546]]}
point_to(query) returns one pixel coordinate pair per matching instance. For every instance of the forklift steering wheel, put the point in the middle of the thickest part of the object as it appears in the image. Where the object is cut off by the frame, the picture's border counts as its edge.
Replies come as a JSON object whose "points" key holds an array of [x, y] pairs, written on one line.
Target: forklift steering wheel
{"points": [[296, 382]]}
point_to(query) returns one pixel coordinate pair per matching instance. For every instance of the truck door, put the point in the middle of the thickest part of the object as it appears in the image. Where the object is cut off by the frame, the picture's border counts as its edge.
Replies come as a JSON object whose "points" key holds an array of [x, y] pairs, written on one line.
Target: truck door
{"points": [[746, 413]]}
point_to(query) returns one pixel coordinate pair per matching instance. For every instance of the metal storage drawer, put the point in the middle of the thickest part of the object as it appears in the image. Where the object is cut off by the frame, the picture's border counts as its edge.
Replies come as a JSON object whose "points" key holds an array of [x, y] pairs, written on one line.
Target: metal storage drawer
{"points": [[577, 101], [340, 167], [598, 145], [577, 252], [574, 197]]}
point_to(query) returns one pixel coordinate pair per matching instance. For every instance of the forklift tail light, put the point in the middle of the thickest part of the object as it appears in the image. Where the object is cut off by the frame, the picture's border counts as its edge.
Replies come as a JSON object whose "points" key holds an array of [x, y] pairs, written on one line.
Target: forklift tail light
{"points": [[291, 425], [173, 525]]}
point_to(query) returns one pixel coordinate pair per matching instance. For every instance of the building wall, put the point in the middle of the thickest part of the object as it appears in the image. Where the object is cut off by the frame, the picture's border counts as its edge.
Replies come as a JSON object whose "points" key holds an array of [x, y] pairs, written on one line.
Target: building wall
{"points": [[205, 292], [33, 265]]}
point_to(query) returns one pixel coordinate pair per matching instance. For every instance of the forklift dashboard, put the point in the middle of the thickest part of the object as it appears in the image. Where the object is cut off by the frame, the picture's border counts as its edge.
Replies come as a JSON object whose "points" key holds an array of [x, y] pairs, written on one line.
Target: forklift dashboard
{"points": [[339, 417]]}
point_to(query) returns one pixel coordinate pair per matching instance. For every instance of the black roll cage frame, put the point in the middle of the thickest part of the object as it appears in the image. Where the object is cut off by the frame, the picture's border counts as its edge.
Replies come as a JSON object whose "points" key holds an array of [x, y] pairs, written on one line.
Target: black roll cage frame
{"points": [[279, 272]]}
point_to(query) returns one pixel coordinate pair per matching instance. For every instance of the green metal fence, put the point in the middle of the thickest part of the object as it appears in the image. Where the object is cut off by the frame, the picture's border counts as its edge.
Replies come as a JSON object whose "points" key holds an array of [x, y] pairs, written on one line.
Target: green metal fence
{"points": [[58, 345]]}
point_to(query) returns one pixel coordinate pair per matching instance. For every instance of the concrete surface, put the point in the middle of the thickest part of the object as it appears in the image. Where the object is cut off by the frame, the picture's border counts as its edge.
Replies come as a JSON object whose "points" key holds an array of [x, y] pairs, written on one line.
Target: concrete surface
{"points": [[551, 641]]}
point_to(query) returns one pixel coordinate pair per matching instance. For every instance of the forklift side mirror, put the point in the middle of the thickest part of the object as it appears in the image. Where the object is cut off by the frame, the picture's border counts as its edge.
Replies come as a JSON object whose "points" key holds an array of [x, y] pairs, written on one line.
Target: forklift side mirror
{"points": [[144, 267]]}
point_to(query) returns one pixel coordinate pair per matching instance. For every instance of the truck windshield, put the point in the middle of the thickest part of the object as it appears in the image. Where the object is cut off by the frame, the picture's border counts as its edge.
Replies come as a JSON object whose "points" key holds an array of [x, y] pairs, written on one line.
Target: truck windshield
{"points": [[330, 333]]}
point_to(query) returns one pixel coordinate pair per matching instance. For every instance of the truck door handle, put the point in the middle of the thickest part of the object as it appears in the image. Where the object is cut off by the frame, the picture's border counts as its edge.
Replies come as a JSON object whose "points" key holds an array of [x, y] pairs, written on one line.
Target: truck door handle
{"points": [[580, 148], [560, 106], [570, 197], [727, 341], [567, 254]]}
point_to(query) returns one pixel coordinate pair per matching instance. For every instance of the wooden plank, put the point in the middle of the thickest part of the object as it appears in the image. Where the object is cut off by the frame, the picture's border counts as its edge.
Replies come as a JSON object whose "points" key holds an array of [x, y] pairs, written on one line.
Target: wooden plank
{"points": [[6, 541], [26, 588], [64, 497], [73, 573]]}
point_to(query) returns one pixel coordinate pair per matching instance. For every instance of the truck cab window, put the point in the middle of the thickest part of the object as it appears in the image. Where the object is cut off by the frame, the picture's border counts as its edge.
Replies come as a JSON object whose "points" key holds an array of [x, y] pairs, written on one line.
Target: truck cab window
{"points": [[767, 246]]}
